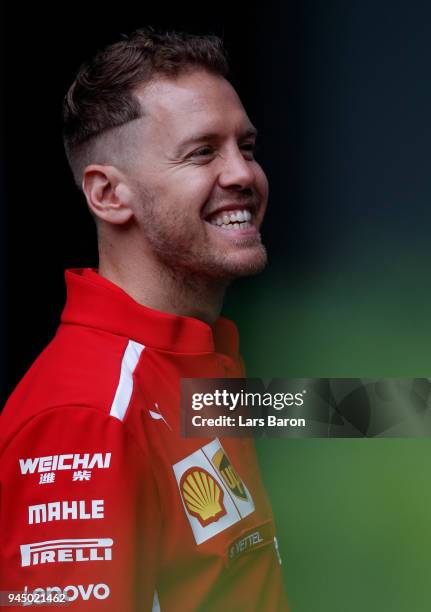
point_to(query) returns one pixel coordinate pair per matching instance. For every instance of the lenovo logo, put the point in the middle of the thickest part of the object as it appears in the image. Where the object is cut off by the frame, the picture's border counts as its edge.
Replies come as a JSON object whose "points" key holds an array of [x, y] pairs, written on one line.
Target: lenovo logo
{"points": [[66, 594]]}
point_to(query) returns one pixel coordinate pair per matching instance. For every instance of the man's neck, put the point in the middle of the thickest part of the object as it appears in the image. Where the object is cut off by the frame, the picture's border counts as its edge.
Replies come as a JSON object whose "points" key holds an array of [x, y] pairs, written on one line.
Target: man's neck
{"points": [[180, 292]]}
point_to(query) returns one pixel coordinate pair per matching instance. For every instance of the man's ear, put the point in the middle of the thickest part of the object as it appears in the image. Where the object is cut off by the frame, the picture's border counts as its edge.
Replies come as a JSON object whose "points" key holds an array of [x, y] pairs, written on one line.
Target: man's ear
{"points": [[107, 193]]}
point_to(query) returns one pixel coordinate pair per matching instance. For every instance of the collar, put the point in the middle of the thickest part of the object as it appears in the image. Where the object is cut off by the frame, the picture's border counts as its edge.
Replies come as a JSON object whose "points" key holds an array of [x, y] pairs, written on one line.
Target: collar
{"points": [[94, 301]]}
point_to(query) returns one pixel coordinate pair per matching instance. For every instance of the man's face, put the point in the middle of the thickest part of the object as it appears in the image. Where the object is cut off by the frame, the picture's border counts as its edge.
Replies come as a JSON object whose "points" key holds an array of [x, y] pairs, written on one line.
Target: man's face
{"points": [[200, 196]]}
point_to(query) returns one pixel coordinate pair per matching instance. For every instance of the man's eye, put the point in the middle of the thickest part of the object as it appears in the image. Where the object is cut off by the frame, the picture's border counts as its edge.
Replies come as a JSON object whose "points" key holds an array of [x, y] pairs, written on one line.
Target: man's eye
{"points": [[249, 149], [203, 152]]}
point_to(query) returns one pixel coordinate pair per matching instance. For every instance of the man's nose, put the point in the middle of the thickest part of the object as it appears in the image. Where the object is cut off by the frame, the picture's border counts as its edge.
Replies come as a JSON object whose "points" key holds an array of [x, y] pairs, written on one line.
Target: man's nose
{"points": [[236, 172]]}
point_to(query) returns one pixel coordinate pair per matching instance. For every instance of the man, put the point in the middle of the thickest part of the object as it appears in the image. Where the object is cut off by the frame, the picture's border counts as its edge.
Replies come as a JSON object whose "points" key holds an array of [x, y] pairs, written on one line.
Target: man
{"points": [[103, 502]]}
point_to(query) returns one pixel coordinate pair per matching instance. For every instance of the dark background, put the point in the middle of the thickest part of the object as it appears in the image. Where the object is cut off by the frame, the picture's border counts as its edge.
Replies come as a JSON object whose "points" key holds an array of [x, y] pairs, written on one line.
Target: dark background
{"points": [[46, 225], [341, 93]]}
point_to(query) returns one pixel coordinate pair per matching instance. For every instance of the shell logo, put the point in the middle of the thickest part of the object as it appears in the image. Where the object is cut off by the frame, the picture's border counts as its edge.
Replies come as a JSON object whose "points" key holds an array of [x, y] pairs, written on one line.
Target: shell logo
{"points": [[202, 496]]}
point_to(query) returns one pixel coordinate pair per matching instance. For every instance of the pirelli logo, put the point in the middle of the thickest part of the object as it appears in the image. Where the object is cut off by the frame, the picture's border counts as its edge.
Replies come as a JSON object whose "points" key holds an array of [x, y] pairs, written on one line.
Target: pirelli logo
{"points": [[59, 551]]}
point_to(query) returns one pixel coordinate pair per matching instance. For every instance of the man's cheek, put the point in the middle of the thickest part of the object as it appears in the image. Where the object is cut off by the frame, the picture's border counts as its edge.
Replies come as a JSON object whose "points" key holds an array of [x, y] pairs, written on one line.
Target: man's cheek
{"points": [[261, 184]]}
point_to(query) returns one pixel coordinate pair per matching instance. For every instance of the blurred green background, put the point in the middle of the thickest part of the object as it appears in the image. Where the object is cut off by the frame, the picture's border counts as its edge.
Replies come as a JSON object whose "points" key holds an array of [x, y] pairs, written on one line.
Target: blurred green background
{"points": [[346, 146], [353, 515]]}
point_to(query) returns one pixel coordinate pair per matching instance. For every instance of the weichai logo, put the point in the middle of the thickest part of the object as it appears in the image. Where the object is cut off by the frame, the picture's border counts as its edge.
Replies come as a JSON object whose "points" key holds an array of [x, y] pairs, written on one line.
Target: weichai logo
{"points": [[202, 496], [58, 551], [72, 461]]}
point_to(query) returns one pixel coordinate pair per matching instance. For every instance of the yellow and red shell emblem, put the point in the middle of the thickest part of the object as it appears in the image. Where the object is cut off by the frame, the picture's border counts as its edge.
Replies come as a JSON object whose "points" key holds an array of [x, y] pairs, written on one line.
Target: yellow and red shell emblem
{"points": [[202, 495]]}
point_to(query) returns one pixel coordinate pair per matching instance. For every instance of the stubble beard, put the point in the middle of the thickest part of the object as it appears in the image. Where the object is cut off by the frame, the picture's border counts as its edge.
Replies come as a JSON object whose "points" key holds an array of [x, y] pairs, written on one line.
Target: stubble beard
{"points": [[186, 258]]}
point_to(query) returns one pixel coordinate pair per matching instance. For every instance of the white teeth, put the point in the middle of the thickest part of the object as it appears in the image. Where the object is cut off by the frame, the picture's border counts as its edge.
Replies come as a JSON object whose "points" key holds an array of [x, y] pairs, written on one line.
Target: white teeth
{"points": [[231, 226], [233, 220]]}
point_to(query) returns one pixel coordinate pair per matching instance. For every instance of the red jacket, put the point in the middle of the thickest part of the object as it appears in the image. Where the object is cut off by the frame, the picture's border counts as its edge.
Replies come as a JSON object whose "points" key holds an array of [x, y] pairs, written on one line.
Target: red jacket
{"points": [[102, 501]]}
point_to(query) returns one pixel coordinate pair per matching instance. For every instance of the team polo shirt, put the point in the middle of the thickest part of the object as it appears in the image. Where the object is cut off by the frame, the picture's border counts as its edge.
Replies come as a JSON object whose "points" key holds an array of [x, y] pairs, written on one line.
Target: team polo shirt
{"points": [[103, 503]]}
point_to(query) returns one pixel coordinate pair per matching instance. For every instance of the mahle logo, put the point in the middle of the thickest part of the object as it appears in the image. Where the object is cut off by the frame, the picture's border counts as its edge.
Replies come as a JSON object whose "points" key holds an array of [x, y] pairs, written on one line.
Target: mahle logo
{"points": [[82, 509]]}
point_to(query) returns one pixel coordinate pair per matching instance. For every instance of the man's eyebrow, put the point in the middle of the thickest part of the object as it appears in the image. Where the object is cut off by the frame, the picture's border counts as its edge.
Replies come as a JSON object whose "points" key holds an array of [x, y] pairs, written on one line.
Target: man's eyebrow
{"points": [[250, 132]]}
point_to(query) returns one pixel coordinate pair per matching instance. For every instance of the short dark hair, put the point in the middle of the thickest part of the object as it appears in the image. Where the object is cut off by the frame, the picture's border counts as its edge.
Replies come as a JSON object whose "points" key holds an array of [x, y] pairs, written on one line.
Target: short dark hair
{"points": [[101, 96]]}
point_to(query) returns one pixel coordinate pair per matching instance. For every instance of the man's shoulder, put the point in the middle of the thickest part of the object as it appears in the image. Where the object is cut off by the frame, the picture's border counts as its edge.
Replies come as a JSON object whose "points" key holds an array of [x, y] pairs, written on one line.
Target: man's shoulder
{"points": [[80, 367]]}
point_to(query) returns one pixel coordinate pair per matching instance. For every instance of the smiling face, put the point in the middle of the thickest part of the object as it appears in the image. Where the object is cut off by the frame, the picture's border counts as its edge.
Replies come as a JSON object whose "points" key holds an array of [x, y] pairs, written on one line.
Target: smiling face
{"points": [[199, 196]]}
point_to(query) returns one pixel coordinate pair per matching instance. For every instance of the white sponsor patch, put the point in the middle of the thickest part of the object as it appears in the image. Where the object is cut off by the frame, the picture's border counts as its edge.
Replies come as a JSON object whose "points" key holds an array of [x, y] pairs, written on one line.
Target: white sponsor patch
{"points": [[70, 593], [209, 504], [61, 551], [64, 510]]}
